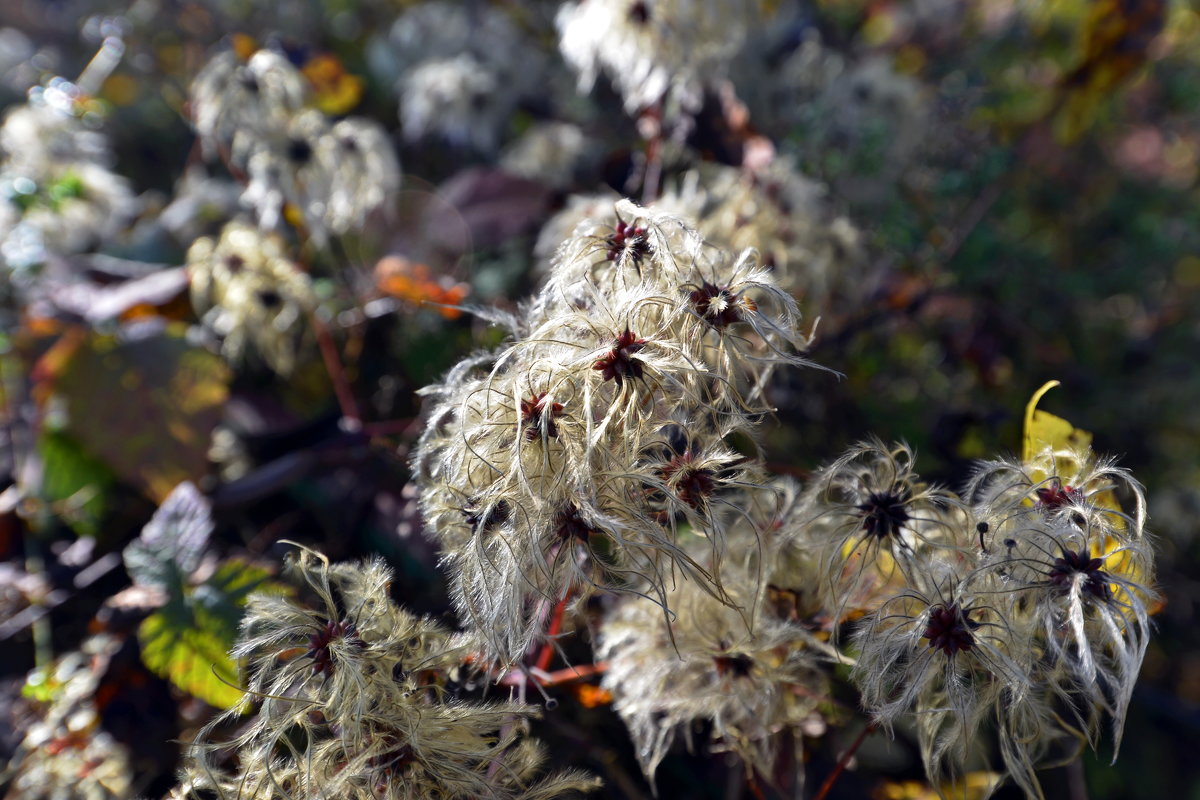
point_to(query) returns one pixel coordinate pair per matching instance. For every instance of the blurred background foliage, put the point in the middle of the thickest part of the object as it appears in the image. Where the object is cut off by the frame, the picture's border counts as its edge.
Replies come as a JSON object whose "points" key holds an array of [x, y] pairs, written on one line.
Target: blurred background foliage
{"points": [[1027, 200]]}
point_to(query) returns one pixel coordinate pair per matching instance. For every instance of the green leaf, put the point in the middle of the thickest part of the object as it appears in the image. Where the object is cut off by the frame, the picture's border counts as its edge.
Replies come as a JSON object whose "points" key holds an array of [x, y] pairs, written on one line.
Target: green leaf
{"points": [[42, 686], [74, 482], [68, 187], [188, 640], [145, 404]]}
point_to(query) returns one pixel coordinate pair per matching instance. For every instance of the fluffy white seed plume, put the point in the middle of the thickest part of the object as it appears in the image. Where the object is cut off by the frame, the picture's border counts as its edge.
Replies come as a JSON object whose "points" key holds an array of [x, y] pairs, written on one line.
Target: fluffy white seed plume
{"points": [[751, 665], [1030, 621], [351, 701], [1076, 567], [570, 458]]}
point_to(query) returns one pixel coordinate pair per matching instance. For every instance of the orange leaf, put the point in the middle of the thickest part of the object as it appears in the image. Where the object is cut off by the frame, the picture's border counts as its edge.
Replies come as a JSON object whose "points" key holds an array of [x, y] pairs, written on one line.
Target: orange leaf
{"points": [[335, 90], [590, 696]]}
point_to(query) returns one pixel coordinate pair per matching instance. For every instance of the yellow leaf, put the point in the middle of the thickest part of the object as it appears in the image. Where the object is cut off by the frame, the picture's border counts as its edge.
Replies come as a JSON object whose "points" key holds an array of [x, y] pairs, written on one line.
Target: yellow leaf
{"points": [[192, 659], [973, 786], [1056, 450], [1044, 431]]}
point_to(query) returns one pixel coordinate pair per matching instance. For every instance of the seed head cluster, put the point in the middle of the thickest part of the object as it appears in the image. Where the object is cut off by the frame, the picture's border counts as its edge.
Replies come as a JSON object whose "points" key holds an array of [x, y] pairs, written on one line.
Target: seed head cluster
{"points": [[251, 295], [604, 428], [58, 193], [664, 51], [1026, 615], [610, 445], [354, 697], [257, 113]]}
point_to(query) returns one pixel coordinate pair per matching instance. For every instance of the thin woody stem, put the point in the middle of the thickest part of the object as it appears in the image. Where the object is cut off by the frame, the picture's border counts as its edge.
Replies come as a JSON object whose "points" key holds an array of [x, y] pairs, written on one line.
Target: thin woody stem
{"points": [[580, 672], [337, 375], [754, 788], [827, 786], [547, 653], [569, 674], [652, 168]]}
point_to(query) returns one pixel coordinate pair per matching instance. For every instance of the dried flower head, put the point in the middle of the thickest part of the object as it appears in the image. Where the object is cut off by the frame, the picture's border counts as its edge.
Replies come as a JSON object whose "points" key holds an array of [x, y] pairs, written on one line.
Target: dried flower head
{"points": [[351, 698], [653, 50], [57, 193], [1064, 484], [708, 667], [252, 295], [737, 663], [553, 153], [595, 491], [334, 175], [256, 114], [1085, 593], [878, 527], [457, 78], [786, 218], [65, 208], [236, 103], [958, 663]]}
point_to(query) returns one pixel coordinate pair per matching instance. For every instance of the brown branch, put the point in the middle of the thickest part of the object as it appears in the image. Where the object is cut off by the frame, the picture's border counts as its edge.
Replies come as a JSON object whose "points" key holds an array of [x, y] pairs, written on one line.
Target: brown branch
{"points": [[827, 786], [337, 375]]}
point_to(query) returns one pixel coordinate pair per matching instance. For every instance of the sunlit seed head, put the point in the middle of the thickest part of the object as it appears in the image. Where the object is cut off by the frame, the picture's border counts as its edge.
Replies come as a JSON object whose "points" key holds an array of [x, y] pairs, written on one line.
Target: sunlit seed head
{"points": [[535, 410], [692, 484], [486, 519], [570, 525], [719, 307], [320, 642], [736, 665], [1057, 496], [627, 241], [619, 363]]}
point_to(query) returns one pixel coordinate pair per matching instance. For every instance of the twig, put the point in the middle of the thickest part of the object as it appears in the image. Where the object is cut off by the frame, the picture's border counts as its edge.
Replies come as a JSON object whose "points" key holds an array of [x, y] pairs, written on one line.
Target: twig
{"points": [[1076, 780], [827, 786], [650, 126], [547, 653], [567, 675], [337, 375]]}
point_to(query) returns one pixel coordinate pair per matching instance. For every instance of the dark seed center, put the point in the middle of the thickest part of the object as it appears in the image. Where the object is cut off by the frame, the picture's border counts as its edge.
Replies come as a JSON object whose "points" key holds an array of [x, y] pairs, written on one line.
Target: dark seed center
{"points": [[950, 630], [884, 514], [1096, 582]]}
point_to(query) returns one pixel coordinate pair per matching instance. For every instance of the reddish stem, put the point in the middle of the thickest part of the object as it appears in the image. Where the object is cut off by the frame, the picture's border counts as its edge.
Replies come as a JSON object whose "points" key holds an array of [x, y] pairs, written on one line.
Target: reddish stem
{"points": [[547, 653], [652, 168], [337, 375], [827, 786], [560, 676]]}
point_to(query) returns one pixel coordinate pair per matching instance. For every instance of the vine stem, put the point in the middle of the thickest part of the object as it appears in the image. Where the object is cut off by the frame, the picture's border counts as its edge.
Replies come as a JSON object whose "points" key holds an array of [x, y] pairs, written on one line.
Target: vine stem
{"points": [[827, 786], [547, 653], [650, 126], [337, 375], [579, 672]]}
